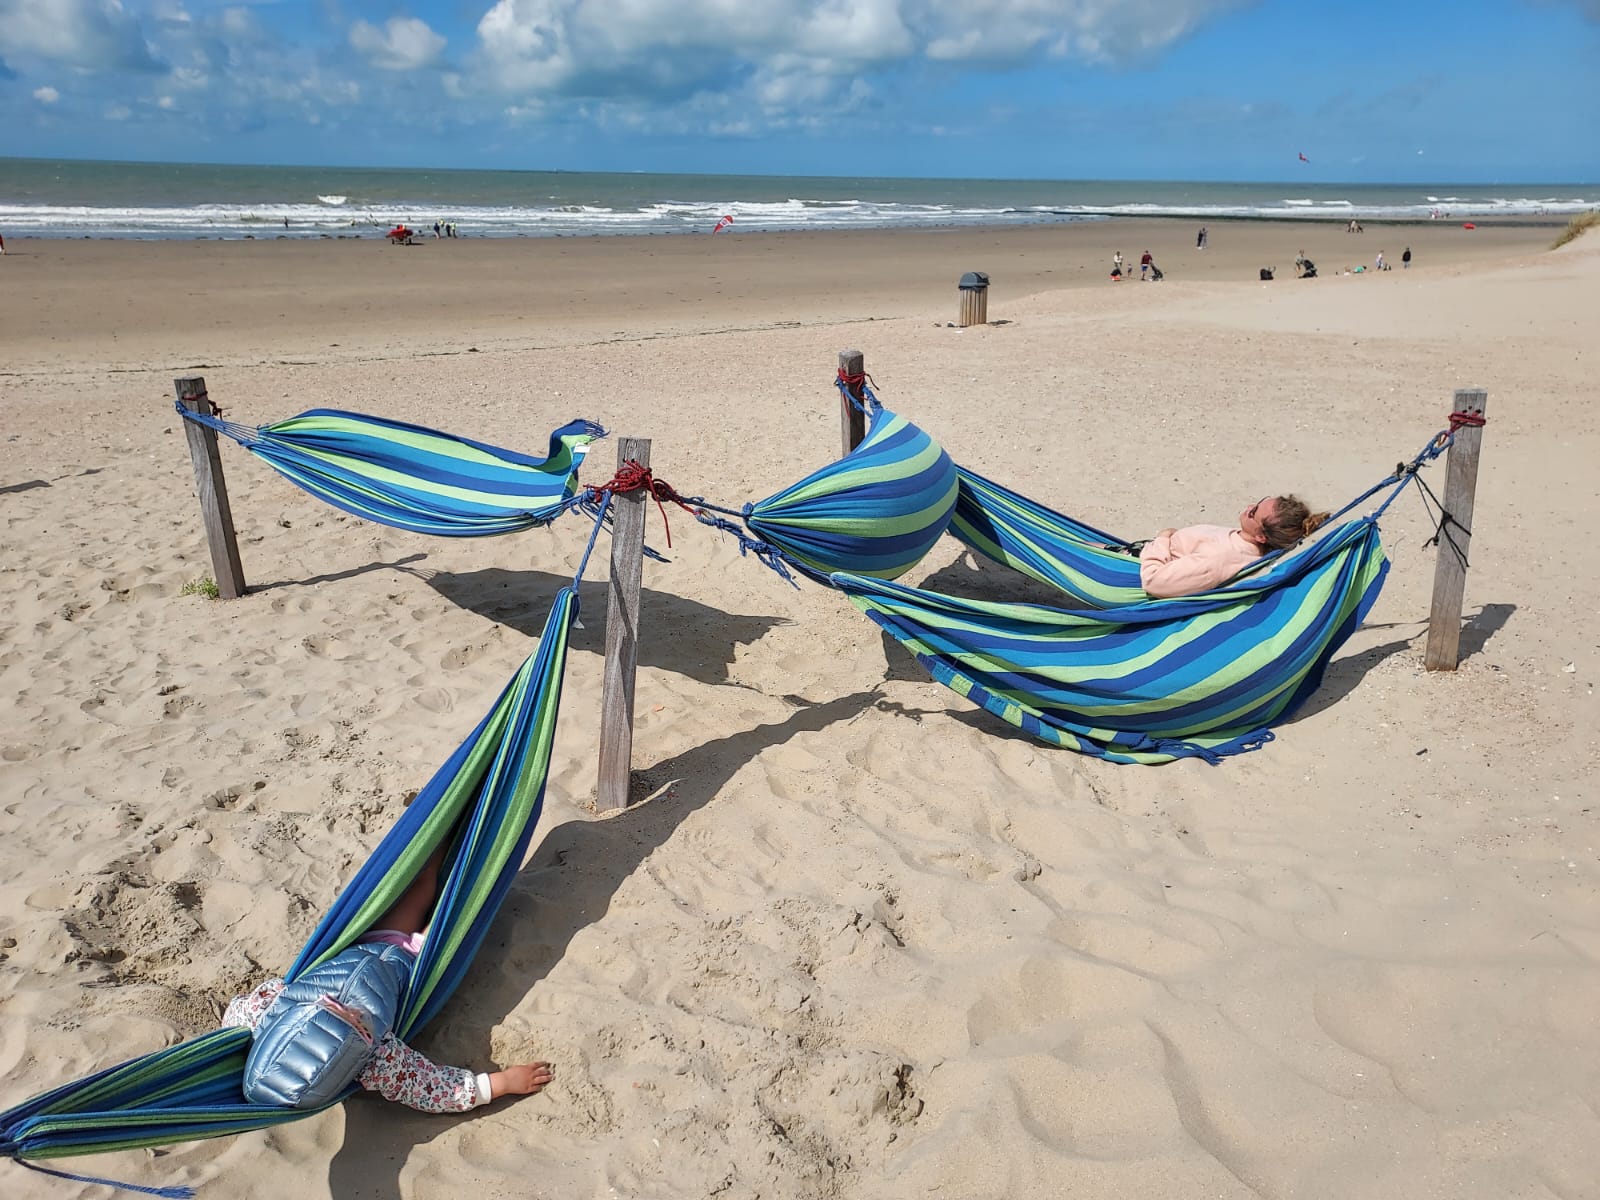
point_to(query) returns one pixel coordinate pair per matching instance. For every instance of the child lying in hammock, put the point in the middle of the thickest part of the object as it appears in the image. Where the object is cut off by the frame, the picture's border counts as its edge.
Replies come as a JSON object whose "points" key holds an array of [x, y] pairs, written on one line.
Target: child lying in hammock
{"points": [[311, 1044], [1197, 558]]}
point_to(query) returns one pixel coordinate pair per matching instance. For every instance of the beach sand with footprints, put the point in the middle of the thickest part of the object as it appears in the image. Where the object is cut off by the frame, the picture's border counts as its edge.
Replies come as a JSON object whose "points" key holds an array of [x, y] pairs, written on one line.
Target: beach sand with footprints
{"points": [[858, 939]]}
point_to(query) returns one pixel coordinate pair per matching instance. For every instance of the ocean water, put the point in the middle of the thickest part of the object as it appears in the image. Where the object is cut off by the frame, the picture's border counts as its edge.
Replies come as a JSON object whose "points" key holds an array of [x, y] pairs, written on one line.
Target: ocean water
{"points": [[43, 198]]}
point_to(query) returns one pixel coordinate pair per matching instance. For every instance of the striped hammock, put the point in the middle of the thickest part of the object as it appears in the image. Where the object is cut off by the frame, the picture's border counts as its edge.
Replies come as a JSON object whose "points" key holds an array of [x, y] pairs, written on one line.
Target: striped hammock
{"points": [[1197, 676], [483, 804], [1125, 677], [1026, 536], [875, 512], [409, 477]]}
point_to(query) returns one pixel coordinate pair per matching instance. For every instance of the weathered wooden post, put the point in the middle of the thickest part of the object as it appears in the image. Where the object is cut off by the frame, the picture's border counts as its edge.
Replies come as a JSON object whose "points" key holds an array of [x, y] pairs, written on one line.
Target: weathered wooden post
{"points": [[974, 287], [852, 421], [212, 489], [622, 633], [1455, 536]]}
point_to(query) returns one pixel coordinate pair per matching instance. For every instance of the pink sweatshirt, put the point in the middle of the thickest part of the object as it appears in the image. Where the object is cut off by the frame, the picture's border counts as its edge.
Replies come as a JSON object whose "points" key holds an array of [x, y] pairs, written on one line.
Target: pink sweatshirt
{"points": [[1194, 559]]}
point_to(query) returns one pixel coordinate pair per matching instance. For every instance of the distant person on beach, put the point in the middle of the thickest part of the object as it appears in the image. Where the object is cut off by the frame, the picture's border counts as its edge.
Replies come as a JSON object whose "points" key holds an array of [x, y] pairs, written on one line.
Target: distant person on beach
{"points": [[1308, 269], [1201, 238], [1379, 262], [1116, 266], [1300, 261], [1405, 260], [390, 1067], [1197, 558], [1145, 263], [2, 244]]}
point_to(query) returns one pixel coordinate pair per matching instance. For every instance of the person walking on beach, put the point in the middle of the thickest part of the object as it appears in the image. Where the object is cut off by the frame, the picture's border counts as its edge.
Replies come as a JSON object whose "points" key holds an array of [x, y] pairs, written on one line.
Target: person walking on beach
{"points": [[1181, 562], [1201, 238], [1145, 263], [1116, 265], [1379, 262], [1405, 260]]}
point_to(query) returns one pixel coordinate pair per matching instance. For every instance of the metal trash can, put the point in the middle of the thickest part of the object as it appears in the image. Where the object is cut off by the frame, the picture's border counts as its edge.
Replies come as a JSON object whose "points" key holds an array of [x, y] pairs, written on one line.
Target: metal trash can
{"points": [[974, 287]]}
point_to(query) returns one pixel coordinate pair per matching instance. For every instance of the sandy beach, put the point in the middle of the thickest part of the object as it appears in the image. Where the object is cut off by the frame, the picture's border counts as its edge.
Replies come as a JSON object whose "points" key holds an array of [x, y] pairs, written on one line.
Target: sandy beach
{"points": [[858, 939]]}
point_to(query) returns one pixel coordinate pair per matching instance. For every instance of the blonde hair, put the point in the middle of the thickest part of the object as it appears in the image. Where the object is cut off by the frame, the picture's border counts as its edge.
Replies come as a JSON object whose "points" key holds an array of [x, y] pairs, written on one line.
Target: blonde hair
{"points": [[1291, 521]]}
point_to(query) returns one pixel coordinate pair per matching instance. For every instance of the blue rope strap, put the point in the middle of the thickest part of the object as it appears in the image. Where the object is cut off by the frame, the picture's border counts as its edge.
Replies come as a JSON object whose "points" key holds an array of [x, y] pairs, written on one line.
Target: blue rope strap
{"points": [[866, 403], [176, 1192]]}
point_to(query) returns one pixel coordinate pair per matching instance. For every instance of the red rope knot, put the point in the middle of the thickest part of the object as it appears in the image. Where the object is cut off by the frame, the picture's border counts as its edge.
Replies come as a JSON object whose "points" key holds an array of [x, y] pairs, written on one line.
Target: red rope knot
{"points": [[635, 477], [854, 382], [211, 407], [1464, 419]]}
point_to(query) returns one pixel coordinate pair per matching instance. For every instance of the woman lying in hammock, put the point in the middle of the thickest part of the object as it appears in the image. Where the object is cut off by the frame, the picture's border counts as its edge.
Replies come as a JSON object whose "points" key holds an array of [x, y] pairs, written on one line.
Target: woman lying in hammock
{"points": [[331, 1028], [1197, 558]]}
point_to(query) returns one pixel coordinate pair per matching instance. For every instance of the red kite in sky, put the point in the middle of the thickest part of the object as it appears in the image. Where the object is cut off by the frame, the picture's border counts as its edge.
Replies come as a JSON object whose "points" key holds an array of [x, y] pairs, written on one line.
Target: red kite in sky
{"points": [[1303, 158]]}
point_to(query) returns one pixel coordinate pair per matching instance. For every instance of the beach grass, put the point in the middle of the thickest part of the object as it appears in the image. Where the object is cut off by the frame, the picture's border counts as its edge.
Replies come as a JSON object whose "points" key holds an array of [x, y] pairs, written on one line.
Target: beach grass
{"points": [[1577, 227]]}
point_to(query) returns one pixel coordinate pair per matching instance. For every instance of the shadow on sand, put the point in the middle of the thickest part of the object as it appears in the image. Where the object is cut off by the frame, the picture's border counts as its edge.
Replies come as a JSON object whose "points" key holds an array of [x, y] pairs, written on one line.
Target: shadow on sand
{"points": [[567, 886], [678, 635]]}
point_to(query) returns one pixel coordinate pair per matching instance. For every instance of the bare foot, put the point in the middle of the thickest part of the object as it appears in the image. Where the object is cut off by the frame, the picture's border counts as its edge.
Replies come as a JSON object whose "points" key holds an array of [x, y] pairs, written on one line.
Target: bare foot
{"points": [[524, 1079]]}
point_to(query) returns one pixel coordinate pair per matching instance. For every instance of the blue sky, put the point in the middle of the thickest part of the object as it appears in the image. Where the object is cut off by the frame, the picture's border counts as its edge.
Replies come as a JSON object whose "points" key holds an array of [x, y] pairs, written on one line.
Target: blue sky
{"points": [[1475, 91]]}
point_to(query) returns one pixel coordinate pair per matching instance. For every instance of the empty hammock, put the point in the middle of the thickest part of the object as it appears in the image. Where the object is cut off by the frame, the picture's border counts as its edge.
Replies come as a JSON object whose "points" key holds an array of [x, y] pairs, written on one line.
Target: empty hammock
{"points": [[482, 804], [414, 478], [876, 512]]}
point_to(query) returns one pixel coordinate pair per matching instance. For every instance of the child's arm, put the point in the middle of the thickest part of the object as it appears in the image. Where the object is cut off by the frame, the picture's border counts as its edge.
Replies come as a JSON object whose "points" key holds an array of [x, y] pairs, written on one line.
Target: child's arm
{"points": [[397, 1072]]}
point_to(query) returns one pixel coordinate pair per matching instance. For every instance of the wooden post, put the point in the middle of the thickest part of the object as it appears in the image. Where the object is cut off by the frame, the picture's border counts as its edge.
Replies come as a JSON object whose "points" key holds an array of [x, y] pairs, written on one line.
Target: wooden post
{"points": [[852, 421], [1455, 537], [212, 489], [622, 634]]}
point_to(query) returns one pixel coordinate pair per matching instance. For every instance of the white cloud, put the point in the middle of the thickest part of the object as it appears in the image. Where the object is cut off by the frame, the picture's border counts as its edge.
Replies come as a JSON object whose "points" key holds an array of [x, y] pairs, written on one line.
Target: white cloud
{"points": [[403, 44], [166, 102], [46, 95], [659, 47], [118, 112], [96, 35]]}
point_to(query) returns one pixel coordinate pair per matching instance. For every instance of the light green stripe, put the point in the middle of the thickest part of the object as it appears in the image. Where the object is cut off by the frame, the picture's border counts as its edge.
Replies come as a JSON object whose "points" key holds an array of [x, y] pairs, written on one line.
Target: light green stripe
{"points": [[865, 527]]}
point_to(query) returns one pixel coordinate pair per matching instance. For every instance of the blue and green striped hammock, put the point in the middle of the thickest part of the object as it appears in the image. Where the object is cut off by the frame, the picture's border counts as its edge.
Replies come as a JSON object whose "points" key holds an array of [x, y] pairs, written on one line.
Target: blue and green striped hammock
{"points": [[1123, 676], [875, 512], [410, 477], [1055, 549], [1198, 676], [483, 804]]}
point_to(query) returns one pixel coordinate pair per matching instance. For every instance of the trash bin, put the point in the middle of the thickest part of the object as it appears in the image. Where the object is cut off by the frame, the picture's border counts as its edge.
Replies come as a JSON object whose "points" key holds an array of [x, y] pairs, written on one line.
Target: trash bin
{"points": [[974, 287]]}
